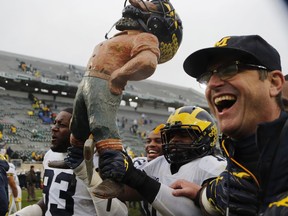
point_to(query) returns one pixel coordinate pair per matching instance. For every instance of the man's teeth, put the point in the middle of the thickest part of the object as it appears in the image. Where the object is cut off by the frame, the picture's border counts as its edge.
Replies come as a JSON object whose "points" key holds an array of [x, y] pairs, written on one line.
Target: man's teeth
{"points": [[218, 100], [152, 152]]}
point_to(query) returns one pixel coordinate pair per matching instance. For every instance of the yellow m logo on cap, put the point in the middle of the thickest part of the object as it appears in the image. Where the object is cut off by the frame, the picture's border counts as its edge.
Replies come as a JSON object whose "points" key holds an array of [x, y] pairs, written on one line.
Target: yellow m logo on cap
{"points": [[222, 42]]}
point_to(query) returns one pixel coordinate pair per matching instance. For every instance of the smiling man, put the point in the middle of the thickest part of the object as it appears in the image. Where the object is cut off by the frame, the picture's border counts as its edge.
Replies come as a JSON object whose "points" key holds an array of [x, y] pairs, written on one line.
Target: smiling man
{"points": [[153, 143], [153, 147], [244, 83]]}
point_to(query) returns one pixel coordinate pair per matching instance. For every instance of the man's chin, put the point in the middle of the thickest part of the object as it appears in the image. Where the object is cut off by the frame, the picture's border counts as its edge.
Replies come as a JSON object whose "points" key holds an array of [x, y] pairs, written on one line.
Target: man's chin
{"points": [[55, 148], [152, 157]]}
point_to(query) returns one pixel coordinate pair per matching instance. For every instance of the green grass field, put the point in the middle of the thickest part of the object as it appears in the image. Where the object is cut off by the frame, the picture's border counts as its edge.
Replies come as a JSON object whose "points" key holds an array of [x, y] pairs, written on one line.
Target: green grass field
{"points": [[132, 211], [24, 197]]}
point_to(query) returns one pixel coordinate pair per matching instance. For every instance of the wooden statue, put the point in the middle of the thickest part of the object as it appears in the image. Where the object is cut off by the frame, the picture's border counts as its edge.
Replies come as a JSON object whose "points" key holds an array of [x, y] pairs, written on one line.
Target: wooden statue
{"points": [[150, 34]]}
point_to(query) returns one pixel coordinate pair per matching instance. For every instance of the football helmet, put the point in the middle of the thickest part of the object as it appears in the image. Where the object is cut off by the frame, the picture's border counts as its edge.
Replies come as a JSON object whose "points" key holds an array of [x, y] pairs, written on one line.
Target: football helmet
{"points": [[195, 122], [161, 20]]}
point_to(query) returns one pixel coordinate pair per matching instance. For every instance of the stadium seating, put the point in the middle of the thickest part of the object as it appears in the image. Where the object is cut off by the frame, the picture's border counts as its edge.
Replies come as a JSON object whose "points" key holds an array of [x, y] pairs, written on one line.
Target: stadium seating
{"points": [[32, 136]]}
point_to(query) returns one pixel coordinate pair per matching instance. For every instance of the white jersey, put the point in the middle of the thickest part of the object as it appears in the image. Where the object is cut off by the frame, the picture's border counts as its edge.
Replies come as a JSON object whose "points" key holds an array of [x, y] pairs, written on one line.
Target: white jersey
{"points": [[12, 172], [196, 171], [63, 193], [140, 163], [14, 202]]}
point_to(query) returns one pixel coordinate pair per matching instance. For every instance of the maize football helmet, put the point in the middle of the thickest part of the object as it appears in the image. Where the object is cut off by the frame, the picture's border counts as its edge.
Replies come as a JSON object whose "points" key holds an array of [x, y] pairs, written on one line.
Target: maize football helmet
{"points": [[195, 122], [159, 19]]}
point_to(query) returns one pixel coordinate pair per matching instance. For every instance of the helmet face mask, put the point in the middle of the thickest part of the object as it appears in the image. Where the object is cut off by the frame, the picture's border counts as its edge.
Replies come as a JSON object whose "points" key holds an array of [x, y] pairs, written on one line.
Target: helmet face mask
{"points": [[192, 122]]}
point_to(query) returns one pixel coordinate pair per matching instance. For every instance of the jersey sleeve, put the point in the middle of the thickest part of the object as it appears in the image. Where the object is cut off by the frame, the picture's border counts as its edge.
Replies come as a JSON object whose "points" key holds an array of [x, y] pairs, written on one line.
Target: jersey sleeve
{"points": [[211, 167], [11, 170], [165, 202]]}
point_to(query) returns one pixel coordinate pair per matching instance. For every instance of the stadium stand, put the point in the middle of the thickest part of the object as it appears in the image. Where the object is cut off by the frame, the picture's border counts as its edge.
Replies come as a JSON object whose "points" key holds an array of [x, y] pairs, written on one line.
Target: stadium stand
{"points": [[33, 90]]}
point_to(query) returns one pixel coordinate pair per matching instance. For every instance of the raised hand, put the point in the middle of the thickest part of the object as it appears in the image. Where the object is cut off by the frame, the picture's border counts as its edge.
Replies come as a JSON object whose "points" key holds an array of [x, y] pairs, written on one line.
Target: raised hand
{"points": [[118, 166]]}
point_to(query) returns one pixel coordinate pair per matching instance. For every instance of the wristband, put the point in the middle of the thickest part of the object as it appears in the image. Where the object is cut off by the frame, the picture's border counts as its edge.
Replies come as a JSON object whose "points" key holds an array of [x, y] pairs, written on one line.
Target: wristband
{"points": [[205, 204]]}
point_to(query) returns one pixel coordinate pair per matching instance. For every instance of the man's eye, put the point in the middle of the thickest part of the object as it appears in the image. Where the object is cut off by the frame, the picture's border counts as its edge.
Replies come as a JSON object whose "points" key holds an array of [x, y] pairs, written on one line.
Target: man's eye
{"points": [[63, 125], [158, 141]]}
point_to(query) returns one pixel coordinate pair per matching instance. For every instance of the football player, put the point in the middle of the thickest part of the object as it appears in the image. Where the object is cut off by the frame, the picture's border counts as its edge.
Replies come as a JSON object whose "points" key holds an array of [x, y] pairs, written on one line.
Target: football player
{"points": [[15, 192], [63, 192], [189, 138], [153, 147]]}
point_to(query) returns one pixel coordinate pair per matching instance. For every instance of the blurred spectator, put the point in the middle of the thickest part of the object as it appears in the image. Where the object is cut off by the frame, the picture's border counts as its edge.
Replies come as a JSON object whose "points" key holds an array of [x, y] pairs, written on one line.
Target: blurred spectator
{"points": [[38, 179], [123, 121], [134, 127], [13, 129], [31, 181], [22, 66], [22, 180]]}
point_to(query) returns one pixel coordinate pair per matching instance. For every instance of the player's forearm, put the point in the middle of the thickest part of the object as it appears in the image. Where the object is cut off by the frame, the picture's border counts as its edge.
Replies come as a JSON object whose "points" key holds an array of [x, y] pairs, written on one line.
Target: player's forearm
{"points": [[31, 210], [130, 194], [144, 184], [15, 192], [13, 186], [42, 205]]}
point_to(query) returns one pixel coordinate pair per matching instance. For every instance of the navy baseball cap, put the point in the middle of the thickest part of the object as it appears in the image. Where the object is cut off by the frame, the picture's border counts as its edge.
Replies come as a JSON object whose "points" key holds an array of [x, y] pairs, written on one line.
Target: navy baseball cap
{"points": [[252, 47]]}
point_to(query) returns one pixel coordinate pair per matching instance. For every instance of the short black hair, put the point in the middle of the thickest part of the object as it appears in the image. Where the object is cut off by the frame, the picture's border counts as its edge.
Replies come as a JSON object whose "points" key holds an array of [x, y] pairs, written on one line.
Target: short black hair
{"points": [[68, 109], [286, 77]]}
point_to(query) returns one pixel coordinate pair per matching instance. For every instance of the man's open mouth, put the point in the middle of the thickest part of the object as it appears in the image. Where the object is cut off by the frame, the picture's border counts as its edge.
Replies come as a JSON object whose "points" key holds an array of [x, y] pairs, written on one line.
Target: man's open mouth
{"points": [[224, 102]]}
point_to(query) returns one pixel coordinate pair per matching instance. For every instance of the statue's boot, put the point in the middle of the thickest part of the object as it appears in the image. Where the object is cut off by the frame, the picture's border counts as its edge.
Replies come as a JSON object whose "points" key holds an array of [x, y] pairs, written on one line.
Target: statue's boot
{"points": [[108, 188]]}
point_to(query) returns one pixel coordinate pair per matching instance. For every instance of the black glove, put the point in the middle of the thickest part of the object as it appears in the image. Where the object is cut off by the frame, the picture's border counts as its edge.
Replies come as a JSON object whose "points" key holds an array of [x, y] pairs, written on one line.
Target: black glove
{"points": [[235, 190], [279, 206], [117, 165], [74, 157]]}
